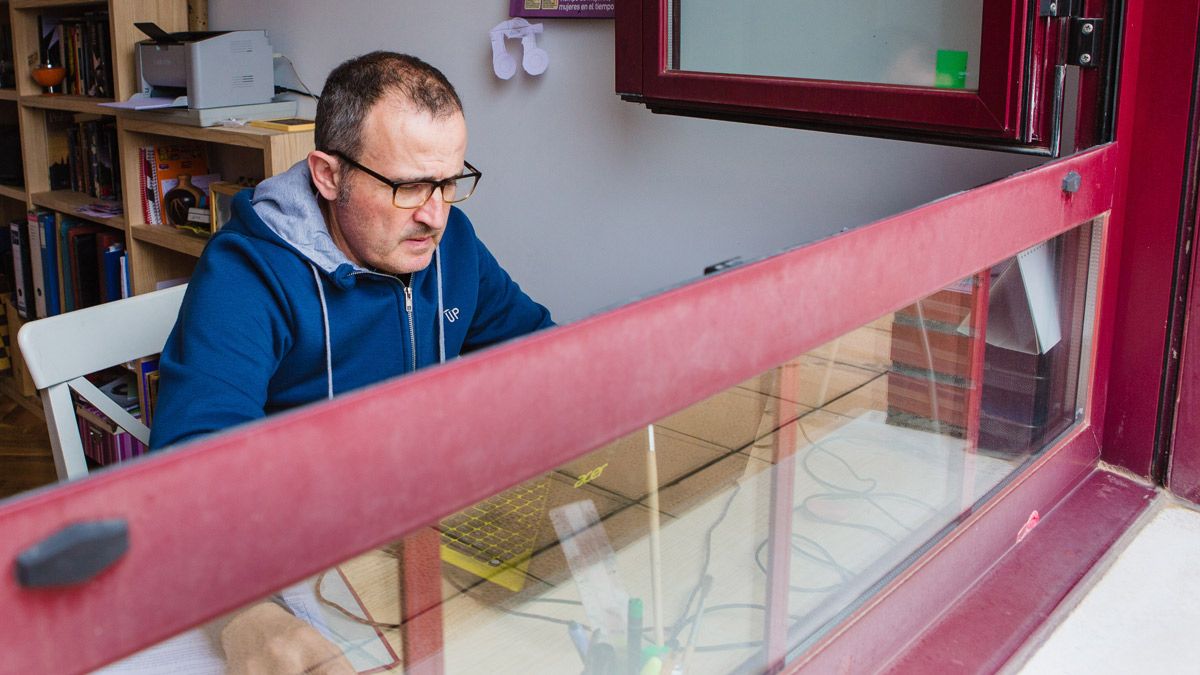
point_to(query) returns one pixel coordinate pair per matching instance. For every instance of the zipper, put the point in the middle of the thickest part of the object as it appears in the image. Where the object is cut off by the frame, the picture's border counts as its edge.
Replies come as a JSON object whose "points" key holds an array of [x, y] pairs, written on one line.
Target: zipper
{"points": [[408, 308]]}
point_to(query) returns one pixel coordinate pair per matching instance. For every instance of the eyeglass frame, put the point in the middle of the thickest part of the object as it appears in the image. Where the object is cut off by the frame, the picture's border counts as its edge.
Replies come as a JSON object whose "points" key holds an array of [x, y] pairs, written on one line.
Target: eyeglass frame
{"points": [[437, 184]]}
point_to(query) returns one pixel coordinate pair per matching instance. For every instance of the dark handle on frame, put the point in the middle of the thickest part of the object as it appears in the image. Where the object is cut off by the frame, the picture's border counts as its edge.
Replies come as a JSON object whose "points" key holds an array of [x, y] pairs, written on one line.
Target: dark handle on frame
{"points": [[74, 554]]}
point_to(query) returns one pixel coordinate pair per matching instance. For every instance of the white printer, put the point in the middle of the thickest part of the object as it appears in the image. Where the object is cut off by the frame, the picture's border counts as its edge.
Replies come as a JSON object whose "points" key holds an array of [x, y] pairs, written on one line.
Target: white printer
{"points": [[205, 69]]}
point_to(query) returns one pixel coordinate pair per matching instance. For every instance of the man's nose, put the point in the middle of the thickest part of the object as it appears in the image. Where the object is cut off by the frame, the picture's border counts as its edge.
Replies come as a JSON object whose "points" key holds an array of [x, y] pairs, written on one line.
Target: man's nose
{"points": [[434, 211]]}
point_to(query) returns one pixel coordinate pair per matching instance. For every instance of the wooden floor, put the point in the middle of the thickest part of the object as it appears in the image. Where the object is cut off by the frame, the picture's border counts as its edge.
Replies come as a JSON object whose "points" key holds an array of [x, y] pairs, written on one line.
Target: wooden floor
{"points": [[25, 459]]}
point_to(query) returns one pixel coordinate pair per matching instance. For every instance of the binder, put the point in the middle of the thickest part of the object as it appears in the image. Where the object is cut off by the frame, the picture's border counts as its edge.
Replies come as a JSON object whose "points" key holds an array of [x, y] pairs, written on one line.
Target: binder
{"points": [[50, 267], [33, 231], [111, 266], [22, 272]]}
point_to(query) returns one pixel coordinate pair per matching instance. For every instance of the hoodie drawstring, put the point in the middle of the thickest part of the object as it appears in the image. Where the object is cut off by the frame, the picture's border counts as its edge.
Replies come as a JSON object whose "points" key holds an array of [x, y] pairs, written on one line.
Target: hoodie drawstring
{"points": [[437, 263], [325, 320], [437, 259]]}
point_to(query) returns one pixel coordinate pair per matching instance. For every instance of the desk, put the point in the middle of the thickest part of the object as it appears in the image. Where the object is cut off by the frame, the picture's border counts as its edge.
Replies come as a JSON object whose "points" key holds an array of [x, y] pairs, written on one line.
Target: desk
{"points": [[865, 494]]}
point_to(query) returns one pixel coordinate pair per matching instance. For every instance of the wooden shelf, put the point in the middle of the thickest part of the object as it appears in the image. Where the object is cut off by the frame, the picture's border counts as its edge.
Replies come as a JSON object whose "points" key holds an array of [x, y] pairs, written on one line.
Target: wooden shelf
{"points": [[82, 104], [9, 95], [13, 192], [41, 4], [69, 202], [249, 137], [170, 238]]}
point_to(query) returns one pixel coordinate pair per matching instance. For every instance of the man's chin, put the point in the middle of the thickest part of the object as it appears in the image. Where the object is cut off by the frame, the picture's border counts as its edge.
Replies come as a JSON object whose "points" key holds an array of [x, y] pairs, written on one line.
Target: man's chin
{"points": [[407, 264]]}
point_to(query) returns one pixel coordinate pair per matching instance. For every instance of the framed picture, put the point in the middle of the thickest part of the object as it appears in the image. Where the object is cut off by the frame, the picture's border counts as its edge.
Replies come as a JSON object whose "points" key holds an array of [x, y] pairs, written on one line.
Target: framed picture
{"points": [[562, 9], [220, 203]]}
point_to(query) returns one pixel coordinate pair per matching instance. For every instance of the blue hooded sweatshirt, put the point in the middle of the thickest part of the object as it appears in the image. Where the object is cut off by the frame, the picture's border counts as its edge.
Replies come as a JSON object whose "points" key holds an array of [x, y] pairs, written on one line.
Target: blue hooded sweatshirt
{"points": [[276, 316]]}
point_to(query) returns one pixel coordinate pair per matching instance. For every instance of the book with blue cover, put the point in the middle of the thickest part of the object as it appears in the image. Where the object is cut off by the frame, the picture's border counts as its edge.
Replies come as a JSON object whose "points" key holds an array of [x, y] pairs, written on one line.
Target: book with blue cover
{"points": [[111, 269], [50, 262]]}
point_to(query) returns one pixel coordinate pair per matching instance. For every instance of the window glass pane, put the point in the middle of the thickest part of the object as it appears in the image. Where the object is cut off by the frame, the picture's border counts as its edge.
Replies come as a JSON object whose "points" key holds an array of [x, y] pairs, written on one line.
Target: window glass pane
{"points": [[815, 481], [924, 43]]}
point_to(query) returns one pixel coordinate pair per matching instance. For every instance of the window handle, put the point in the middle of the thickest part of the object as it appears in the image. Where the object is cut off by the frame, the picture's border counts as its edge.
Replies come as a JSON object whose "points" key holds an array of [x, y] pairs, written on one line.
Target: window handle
{"points": [[74, 554]]}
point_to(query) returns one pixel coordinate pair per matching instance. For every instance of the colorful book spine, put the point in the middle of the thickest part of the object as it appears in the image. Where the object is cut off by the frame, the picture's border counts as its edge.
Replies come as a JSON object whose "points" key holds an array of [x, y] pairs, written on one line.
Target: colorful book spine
{"points": [[48, 226], [21, 277], [33, 233]]}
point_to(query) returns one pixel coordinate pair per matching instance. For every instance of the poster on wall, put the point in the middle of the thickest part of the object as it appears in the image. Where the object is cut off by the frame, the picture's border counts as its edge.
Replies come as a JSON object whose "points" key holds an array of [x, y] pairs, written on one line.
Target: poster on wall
{"points": [[561, 9]]}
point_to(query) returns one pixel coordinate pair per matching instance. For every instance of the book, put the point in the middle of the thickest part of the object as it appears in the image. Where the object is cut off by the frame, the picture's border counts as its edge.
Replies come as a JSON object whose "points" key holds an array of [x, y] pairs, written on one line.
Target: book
{"points": [[6, 262], [106, 240], [48, 226], [33, 234], [286, 124], [171, 162], [111, 270], [22, 271], [65, 281], [147, 374], [126, 284], [85, 275], [149, 186]]}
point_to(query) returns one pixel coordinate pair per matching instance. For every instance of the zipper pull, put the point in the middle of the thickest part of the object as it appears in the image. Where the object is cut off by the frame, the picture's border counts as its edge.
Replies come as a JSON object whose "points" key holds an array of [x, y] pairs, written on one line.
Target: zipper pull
{"points": [[408, 299]]}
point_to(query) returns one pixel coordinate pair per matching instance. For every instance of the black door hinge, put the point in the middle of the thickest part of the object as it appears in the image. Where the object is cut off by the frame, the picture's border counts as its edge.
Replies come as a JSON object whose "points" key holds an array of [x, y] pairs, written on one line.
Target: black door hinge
{"points": [[1083, 34], [1083, 46]]}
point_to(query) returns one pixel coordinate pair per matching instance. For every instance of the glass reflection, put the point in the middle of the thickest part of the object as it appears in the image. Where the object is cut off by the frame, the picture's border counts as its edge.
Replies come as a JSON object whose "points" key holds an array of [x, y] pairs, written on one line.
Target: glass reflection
{"points": [[924, 43], [656, 551]]}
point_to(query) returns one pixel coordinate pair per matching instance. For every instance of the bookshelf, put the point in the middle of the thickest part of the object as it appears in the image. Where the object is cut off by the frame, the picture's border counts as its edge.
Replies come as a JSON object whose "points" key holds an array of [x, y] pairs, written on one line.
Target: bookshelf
{"points": [[161, 252], [154, 253]]}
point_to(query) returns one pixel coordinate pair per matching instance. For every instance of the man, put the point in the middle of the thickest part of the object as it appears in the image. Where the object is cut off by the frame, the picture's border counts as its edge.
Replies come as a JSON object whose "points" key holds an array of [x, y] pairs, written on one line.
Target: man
{"points": [[349, 268]]}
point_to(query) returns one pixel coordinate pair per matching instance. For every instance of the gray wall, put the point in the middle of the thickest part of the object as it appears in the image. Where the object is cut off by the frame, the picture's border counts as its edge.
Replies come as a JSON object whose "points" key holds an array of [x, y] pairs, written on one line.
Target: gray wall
{"points": [[588, 200]]}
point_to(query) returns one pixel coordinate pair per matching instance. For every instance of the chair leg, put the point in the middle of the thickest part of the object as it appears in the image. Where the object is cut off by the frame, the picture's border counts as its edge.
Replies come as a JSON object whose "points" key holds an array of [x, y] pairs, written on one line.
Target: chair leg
{"points": [[69, 461]]}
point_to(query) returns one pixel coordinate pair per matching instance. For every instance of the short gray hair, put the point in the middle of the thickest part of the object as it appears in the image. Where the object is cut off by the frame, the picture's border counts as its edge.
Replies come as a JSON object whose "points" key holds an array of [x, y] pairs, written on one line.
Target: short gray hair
{"points": [[355, 86]]}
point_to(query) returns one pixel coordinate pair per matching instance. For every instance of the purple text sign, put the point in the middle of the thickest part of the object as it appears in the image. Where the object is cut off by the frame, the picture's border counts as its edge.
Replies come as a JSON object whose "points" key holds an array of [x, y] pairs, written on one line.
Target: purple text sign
{"points": [[561, 9]]}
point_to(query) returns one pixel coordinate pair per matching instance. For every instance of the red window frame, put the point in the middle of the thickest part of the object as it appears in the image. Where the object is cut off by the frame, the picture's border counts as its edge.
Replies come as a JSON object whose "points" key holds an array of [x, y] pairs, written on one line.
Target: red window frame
{"points": [[186, 515], [1014, 104]]}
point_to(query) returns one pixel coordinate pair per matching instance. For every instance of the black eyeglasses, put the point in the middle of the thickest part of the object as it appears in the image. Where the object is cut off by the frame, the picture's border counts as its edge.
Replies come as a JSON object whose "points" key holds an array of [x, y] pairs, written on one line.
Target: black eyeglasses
{"points": [[414, 194]]}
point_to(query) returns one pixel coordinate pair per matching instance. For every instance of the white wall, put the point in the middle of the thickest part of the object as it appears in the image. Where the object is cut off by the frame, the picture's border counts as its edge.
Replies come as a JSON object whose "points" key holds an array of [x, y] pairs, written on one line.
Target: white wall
{"points": [[588, 200]]}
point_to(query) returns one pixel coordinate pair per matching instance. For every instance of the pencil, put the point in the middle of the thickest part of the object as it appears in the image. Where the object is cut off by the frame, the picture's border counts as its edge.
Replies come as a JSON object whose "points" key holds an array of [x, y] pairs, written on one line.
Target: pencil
{"points": [[655, 550]]}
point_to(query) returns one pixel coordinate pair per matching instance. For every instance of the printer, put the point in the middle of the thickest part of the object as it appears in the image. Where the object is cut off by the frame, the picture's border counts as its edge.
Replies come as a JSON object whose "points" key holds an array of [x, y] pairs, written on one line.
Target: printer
{"points": [[206, 69]]}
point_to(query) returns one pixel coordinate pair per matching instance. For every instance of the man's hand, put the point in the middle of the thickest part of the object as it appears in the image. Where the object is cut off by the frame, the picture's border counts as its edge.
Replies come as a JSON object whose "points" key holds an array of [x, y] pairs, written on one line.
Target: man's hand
{"points": [[266, 640]]}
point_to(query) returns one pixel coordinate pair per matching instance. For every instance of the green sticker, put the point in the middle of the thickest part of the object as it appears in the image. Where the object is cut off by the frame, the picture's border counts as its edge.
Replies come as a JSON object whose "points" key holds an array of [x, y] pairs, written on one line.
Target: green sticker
{"points": [[951, 69]]}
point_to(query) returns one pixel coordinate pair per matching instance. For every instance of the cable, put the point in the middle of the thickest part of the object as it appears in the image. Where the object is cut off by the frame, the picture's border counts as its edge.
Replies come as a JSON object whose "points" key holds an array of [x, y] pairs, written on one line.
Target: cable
{"points": [[296, 91], [677, 627], [307, 91]]}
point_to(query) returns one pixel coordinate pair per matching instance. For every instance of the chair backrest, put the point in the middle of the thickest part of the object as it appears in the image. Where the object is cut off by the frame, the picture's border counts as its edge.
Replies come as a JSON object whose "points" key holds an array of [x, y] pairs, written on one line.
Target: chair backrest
{"points": [[60, 350]]}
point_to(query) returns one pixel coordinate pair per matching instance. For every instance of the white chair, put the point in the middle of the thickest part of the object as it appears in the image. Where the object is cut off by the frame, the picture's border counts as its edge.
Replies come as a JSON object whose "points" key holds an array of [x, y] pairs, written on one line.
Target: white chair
{"points": [[60, 350]]}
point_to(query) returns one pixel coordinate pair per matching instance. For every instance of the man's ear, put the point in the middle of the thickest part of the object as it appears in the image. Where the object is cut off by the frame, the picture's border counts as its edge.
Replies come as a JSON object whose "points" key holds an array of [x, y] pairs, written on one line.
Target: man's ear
{"points": [[325, 175]]}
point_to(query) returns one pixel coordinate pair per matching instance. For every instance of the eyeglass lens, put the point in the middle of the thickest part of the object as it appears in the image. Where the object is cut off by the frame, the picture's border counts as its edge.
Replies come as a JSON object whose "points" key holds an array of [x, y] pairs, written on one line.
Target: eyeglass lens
{"points": [[412, 195]]}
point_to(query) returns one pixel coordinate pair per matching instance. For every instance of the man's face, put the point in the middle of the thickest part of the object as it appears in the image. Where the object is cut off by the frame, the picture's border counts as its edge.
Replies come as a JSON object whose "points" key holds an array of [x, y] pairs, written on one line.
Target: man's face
{"points": [[402, 145]]}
